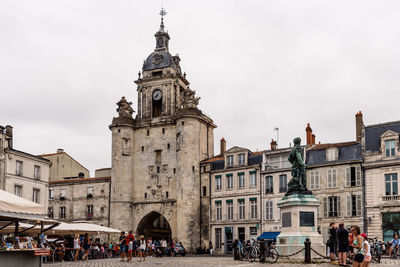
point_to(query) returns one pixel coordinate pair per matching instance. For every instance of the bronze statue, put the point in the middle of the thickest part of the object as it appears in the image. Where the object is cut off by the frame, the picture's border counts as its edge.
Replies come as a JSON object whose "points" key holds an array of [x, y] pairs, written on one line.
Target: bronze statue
{"points": [[298, 183]]}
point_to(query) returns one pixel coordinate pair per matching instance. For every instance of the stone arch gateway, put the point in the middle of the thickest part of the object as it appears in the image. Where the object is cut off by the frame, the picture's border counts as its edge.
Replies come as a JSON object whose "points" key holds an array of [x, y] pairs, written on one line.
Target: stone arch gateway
{"points": [[154, 225]]}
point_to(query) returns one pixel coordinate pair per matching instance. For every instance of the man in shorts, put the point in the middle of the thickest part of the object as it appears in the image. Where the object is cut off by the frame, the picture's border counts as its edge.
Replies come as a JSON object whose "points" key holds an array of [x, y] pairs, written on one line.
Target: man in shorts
{"points": [[394, 244], [343, 242], [122, 245]]}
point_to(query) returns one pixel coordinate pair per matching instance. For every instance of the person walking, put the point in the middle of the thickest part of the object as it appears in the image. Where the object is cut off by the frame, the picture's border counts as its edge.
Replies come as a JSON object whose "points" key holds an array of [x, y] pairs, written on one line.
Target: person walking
{"points": [[86, 247], [77, 246], [343, 242], [122, 245], [150, 246], [332, 240], [210, 246], [367, 251], [351, 239], [129, 241], [142, 247], [357, 245], [163, 246]]}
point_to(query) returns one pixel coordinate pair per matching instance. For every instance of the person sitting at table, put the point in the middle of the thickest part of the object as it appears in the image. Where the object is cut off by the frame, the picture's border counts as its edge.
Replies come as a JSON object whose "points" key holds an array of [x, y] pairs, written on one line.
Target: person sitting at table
{"points": [[60, 251]]}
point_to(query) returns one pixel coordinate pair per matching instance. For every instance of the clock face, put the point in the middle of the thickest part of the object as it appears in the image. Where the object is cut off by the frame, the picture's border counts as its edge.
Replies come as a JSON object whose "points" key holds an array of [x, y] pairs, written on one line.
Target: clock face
{"points": [[157, 94]]}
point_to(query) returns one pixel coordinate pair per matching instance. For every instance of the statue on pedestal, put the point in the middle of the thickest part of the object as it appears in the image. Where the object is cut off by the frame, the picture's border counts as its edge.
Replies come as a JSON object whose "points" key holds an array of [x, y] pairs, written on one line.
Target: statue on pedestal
{"points": [[298, 183]]}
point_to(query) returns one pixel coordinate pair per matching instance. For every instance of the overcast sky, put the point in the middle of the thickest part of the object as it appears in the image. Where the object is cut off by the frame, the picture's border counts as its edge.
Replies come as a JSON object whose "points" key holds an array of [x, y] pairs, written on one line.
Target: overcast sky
{"points": [[255, 64]]}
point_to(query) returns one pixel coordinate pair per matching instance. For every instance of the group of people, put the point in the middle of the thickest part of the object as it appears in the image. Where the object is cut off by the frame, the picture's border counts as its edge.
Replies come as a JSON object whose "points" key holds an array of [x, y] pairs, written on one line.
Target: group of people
{"points": [[351, 241], [128, 247]]}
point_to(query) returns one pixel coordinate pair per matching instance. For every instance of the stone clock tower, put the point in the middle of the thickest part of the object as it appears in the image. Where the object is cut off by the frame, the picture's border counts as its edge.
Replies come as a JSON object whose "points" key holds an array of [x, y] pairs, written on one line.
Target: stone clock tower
{"points": [[156, 154]]}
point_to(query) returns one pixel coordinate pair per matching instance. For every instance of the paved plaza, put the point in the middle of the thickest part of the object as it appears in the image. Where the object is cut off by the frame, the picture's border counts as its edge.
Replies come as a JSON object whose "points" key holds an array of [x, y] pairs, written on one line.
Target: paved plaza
{"points": [[194, 261]]}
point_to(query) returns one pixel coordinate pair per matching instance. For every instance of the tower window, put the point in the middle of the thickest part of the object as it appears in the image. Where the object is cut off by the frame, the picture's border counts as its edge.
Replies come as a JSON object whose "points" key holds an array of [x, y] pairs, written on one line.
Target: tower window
{"points": [[204, 191], [157, 74], [168, 145], [158, 156], [163, 130], [174, 170], [142, 148], [183, 123], [193, 168], [148, 132], [158, 169], [145, 195], [166, 194], [119, 130]]}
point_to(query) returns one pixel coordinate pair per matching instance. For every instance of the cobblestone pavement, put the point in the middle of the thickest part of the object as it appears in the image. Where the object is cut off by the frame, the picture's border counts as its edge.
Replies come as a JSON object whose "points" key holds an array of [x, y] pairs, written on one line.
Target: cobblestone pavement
{"points": [[193, 261]]}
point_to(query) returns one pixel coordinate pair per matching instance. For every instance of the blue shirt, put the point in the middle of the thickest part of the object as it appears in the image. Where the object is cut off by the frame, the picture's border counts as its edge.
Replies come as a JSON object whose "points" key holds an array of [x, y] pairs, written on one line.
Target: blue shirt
{"points": [[395, 242]]}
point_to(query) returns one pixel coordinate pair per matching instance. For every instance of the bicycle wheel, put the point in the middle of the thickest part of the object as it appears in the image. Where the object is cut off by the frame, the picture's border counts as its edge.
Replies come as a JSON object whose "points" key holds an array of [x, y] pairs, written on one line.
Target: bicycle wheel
{"points": [[252, 254], [272, 255]]}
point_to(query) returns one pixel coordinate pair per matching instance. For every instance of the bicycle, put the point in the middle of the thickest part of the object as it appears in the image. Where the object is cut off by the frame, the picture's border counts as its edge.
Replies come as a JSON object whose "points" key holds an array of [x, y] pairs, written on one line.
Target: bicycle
{"points": [[269, 253], [272, 254]]}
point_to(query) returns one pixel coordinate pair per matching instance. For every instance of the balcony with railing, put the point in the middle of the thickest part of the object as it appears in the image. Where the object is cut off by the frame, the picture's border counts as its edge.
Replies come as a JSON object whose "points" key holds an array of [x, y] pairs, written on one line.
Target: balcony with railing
{"points": [[391, 198]]}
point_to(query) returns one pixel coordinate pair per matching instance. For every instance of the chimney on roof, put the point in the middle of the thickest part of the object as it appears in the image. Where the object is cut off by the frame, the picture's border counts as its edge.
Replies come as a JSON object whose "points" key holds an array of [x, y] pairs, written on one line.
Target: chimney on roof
{"points": [[313, 139], [60, 150], [359, 125], [309, 135], [9, 135], [274, 145], [223, 146]]}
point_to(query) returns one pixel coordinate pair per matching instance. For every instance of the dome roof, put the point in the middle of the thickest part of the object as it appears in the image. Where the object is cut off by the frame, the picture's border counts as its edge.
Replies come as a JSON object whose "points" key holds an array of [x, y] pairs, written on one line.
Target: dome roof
{"points": [[158, 60]]}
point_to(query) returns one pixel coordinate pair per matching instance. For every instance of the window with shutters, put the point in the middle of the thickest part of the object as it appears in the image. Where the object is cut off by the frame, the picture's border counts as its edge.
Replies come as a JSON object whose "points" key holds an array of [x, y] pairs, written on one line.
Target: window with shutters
{"points": [[353, 176], [18, 190], [269, 215], [241, 210], [241, 180], [19, 167], [353, 205], [218, 211], [218, 238], [253, 208], [63, 212], [36, 195], [332, 206], [229, 209], [229, 181], [332, 178], [269, 185], [36, 172], [314, 180]]}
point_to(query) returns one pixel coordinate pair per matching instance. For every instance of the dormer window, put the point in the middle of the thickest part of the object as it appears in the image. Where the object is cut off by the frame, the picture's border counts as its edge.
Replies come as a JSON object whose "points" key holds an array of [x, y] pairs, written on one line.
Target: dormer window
{"points": [[241, 159], [229, 161], [331, 154], [390, 148]]}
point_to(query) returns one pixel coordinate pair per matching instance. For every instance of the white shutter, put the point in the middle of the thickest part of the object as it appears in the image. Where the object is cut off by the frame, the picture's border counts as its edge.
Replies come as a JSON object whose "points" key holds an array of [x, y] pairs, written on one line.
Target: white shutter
{"points": [[339, 211], [358, 176], [348, 206], [348, 176], [325, 207], [334, 178], [358, 205], [271, 210], [329, 178], [316, 180]]}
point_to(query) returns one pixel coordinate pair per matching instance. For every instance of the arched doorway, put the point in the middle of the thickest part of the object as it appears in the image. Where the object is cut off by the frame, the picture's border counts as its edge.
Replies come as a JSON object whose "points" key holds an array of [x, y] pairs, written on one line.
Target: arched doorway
{"points": [[154, 225]]}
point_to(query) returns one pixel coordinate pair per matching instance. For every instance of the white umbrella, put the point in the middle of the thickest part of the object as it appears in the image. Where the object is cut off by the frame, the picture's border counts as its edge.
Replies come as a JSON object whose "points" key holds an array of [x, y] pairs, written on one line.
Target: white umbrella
{"points": [[82, 228]]}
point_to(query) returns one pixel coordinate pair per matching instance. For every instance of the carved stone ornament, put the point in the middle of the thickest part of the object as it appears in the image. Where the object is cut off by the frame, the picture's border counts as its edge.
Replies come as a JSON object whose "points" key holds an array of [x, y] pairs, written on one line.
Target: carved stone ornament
{"points": [[188, 99], [124, 108], [157, 59]]}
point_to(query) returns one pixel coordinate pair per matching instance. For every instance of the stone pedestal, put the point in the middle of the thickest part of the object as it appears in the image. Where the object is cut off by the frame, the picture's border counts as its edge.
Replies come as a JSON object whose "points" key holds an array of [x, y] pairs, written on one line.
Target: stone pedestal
{"points": [[299, 221]]}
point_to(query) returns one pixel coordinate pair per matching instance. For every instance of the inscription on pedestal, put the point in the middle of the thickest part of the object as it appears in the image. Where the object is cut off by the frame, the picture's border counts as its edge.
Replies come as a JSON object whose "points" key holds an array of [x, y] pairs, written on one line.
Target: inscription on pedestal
{"points": [[307, 218], [286, 219]]}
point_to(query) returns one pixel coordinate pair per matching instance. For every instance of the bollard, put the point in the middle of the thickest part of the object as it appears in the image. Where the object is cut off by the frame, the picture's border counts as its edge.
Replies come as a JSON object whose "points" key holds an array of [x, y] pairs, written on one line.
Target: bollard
{"points": [[307, 251]]}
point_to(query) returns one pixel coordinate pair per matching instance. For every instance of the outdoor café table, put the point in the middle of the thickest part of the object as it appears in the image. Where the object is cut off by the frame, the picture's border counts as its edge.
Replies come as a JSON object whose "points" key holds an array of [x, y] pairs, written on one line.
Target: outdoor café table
{"points": [[22, 257]]}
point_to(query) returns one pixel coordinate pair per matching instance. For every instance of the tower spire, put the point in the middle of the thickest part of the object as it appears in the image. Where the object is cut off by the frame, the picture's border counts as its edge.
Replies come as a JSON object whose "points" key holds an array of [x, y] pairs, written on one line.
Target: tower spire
{"points": [[162, 14]]}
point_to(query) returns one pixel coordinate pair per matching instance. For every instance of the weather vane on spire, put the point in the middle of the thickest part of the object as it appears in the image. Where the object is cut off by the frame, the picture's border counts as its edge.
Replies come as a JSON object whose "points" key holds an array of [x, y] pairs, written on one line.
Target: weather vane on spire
{"points": [[162, 14]]}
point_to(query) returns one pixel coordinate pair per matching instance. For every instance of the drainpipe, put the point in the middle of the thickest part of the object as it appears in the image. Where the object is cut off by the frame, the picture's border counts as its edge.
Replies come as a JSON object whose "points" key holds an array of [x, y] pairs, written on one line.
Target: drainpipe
{"points": [[200, 220], [209, 205], [261, 200]]}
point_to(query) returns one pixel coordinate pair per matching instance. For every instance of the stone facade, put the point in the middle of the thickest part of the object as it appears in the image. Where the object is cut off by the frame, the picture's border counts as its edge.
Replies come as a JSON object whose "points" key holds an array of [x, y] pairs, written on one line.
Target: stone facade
{"points": [[65, 167], [382, 169], [231, 181], [22, 173], [81, 200], [156, 155]]}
